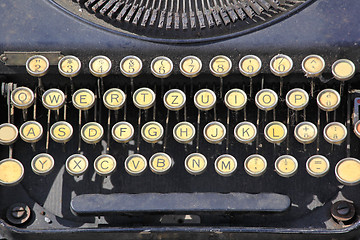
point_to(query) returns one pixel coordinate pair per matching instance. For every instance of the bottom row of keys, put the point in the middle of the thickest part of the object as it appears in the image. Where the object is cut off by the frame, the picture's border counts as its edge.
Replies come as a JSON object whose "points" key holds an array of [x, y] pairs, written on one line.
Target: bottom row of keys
{"points": [[347, 170]]}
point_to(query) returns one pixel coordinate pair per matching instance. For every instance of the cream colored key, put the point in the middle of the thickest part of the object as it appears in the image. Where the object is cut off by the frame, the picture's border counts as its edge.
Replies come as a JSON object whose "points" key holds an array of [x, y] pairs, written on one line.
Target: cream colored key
{"points": [[161, 67], [114, 99], [22, 97], [8, 134], [286, 166], [144, 98], [42, 164], [225, 165], [317, 166], [53, 99], [297, 99], [92, 132], [122, 132], [313, 66], [195, 163], [347, 171], [356, 129], [245, 132], [214, 132], [37, 65], [135, 164], [281, 65], [343, 69], [190, 66], [11, 172], [152, 132], [275, 132], [100, 66], [205, 99], [305, 132], [83, 99], [250, 65], [235, 99], [61, 132], [328, 100], [31, 131], [255, 165], [266, 99], [105, 165], [76, 165], [184, 132], [69, 66], [160, 163], [335, 133], [131, 66], [220, 66], [174, 99]]}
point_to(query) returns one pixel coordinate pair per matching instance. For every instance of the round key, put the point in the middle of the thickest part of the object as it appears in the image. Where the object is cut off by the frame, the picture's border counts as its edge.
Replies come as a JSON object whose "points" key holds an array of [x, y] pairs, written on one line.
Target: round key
{"points": [[11, 172], [114, 99], [131, 66], [92, 132], [61, 132], [184, 132], [343, 69], [100, 66], [42, 164], [31, 131], [69, 66], [76, 165], [205, 99], [313, 66], [122, 132], [235, 99], [250, 65], [281, 65], [135, 164], [161, 67], [8, 134], [22, 97], [225, 165], [266, 99], [297, 99], [335, 133], [214, 132], [317, 166], [347, 171], [83, 99], [255, 165], [190, 66], [174, 99], [152, 132], [220, 66], [356, 129], [53, 99], [195, 163], [37, 65], [160, 163], [144, 98], [245, 132], [286, 166], [305, 132], [328, 100], [275, 132], [105, 165]]}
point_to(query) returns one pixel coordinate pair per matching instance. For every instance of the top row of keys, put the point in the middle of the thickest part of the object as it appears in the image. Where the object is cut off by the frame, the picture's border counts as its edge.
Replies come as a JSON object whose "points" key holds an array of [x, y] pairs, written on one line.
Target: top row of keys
{"points": [[220, 66]]}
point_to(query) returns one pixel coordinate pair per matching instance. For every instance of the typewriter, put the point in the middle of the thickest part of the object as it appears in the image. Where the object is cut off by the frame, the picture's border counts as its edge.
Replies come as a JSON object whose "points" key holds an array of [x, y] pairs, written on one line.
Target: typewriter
{"points": [[179, 119]]}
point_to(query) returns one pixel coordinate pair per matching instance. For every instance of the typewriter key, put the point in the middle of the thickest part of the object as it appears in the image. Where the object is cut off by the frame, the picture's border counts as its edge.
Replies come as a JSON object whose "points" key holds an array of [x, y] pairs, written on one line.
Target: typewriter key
{"points": [[11, 172], [31, 131], [161, 67], [245, 132], [195, 163], [174, 99], [135, 164], [297, 99], [281, 65], [275, 132], [152, 132], [69, 66], [8, 133], [190, 66], [317, 166], [347, 171], [83, 99], [53, 99], [144, 98], [286, 166], [335, 133], [305, 132], [214, 132], [122, 132], [235, 99], [131, 66], [42, 164], [22, 97], [184, 132], [37, 66], [313, 65], [225, 165], [250, 65], [220, 66], [205, 99], [61, 132], [92, 132], [160, 163], [328, 100], [343, 69], [105, 165], [356, 129], [255, 165], [114, 99], [76, 165], [100, 66], [266, 99]]}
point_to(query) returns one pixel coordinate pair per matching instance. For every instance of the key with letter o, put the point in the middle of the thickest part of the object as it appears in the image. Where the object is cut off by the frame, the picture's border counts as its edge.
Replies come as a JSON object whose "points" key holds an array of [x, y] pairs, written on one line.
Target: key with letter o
{"points": [[266, 99]]}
